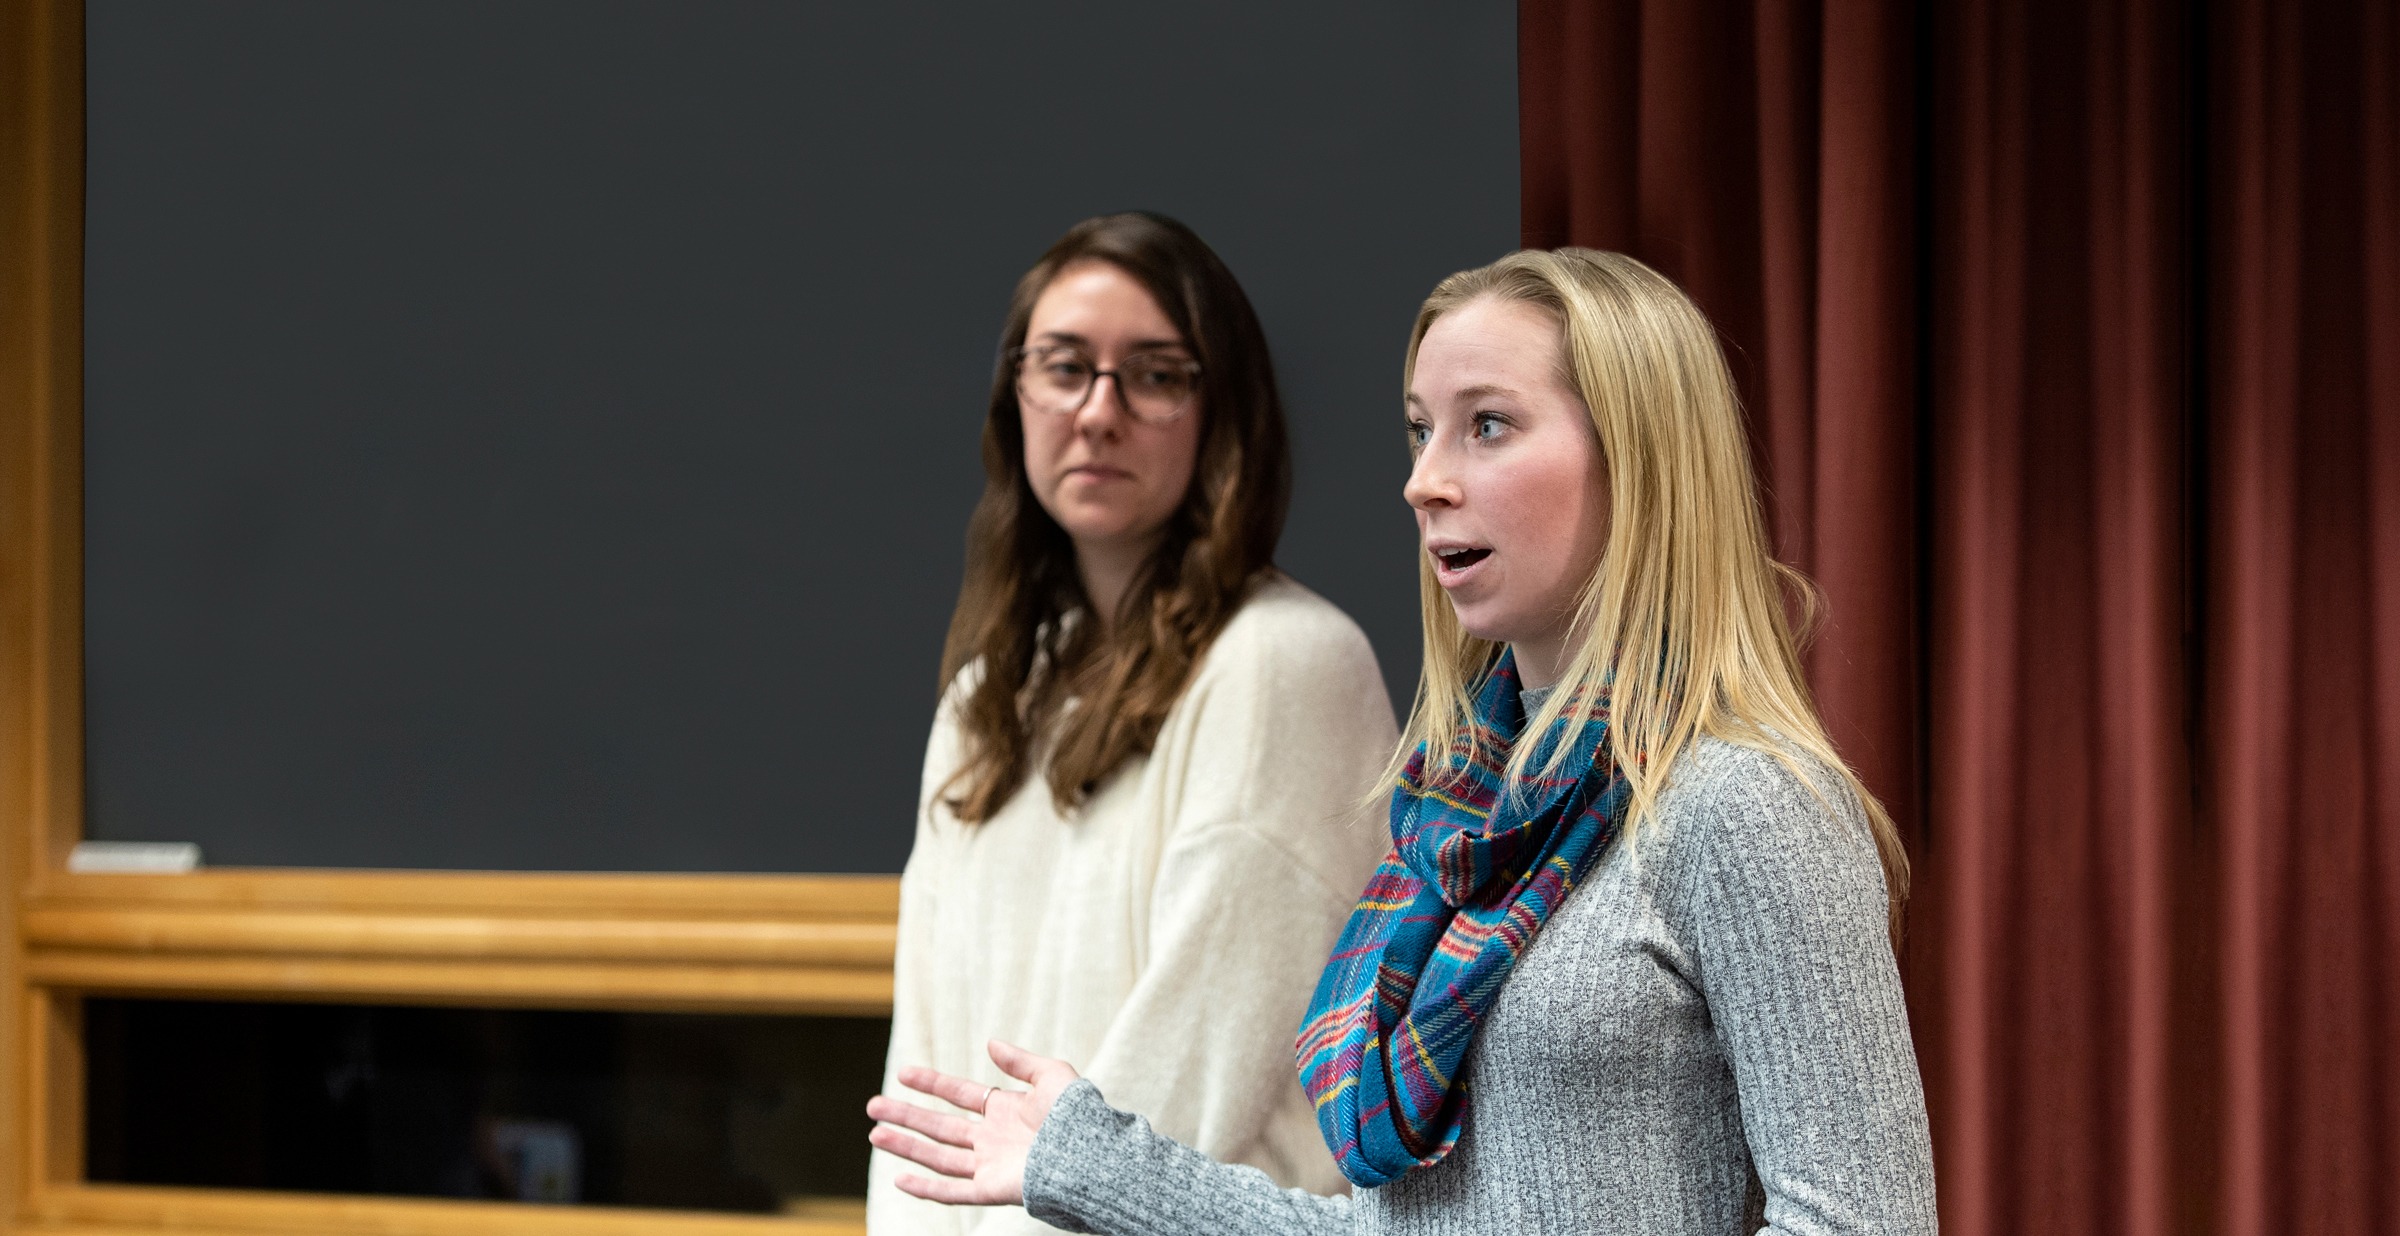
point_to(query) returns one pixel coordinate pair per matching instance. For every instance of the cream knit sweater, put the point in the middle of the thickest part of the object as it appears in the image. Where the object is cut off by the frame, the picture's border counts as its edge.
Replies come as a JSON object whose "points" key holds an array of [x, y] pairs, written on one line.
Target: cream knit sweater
{"points": [[1165, 938]]}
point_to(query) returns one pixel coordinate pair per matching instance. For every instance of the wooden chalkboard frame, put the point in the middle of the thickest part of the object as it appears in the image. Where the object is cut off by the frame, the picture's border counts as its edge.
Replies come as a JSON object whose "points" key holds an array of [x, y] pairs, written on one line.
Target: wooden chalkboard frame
{"points": [[735, 943]]}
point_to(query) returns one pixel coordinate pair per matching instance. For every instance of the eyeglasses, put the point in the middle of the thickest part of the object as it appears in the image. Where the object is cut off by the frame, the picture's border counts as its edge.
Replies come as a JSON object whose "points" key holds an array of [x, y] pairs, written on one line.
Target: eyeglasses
{"points": [[1060, 378]]}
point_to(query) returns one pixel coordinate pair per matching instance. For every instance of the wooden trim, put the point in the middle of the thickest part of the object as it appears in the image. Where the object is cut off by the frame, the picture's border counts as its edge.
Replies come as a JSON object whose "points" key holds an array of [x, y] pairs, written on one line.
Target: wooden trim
{"points": [[109, 1210], [737, 944], [328, 933], [41, 406], [755, 944], [520, 894], [54, 1029], [41, 558], [652, 988]]}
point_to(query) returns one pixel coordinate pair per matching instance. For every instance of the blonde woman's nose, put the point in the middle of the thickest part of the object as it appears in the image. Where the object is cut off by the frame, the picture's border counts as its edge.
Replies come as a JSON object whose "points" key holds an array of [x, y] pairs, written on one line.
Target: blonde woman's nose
{"points": [[1430, 482]]}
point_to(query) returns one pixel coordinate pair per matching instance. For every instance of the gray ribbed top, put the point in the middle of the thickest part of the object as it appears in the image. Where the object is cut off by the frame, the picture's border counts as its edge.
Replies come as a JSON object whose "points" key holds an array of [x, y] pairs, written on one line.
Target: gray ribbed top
{"points": [[1707, 1038]]}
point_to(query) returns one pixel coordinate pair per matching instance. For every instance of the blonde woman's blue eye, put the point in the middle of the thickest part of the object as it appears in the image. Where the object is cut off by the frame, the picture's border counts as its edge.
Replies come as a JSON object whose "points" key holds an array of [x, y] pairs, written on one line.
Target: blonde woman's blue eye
{"points": [[1417, 433], [1487, 425]]}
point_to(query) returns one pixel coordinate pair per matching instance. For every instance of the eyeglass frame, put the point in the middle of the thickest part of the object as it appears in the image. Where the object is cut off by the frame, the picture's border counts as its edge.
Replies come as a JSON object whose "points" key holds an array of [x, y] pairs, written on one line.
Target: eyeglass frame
{"points": [[1016, 361]]}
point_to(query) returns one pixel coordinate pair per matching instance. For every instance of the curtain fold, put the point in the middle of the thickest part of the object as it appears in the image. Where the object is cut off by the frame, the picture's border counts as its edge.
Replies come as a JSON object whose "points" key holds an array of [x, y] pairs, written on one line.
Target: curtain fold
{"points": [[2070, 336], [2300, 417]]}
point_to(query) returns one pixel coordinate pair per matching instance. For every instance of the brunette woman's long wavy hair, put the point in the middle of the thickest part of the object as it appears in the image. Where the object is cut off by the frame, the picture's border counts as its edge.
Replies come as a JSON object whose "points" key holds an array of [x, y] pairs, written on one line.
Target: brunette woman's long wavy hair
{"points": [[1014, 621]]}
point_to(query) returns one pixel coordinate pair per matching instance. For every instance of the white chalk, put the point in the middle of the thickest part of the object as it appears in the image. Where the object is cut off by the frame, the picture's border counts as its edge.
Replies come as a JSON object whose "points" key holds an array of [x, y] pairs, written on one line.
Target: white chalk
{"points": [[144, 857]]}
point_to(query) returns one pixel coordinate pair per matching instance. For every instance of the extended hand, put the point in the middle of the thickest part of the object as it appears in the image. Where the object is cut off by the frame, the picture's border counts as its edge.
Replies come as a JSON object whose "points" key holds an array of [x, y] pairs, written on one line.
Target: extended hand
{"points": [[980, 1162]]}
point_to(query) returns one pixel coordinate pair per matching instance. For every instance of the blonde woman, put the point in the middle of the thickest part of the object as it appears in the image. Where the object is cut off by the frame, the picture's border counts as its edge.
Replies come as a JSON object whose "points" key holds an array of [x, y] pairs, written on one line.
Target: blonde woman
{"points": [[1628, 967], [1140, 824]]}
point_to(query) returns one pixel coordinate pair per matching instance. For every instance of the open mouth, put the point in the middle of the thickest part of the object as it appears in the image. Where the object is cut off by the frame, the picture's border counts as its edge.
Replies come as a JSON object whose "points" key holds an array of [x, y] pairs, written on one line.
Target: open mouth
{"points": [[1460, 559]]}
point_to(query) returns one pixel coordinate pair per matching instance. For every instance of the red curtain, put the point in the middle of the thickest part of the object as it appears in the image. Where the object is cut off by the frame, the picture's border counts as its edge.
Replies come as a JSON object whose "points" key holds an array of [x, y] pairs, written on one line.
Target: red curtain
{"points": [[2070, 334]]}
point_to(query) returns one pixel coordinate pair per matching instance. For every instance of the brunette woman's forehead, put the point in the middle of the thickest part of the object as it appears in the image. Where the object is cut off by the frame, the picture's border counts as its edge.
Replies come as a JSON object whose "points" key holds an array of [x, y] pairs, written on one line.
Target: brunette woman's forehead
{"points": [[1068, 336]]}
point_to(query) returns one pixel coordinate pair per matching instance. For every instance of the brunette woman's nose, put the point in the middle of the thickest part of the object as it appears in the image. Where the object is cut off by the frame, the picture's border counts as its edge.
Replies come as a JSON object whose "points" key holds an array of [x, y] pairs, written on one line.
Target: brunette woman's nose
{"points": [[1103, 412]]}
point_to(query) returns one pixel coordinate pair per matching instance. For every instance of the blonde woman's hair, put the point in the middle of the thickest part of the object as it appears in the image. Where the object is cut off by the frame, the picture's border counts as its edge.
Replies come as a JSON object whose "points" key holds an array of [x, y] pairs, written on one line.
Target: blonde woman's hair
{"points": [[1683, 623]]}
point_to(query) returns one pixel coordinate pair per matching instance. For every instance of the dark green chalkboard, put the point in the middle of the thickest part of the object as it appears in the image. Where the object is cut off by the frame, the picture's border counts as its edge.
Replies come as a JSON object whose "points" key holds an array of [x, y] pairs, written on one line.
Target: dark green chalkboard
{"points": [[539, 435]]}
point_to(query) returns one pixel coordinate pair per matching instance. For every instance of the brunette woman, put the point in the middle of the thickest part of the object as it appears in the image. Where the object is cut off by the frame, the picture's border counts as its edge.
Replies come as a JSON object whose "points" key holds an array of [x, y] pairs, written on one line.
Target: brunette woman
{"points": [[1629, 966], [1139, 828]]}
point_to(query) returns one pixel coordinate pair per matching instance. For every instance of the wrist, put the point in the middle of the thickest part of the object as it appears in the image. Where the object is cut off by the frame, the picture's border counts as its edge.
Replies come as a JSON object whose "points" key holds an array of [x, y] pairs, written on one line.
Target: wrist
{"points": [[1051, 1173]]}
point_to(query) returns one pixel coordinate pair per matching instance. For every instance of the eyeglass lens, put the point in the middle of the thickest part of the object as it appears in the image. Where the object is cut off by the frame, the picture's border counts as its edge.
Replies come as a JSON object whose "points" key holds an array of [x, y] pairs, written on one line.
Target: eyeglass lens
{"points": [[1060, 380]]}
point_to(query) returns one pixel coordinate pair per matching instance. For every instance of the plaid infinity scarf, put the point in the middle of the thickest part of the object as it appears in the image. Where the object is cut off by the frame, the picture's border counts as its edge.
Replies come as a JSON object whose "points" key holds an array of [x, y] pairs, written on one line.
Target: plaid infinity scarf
{"points": [[1438, 929]]}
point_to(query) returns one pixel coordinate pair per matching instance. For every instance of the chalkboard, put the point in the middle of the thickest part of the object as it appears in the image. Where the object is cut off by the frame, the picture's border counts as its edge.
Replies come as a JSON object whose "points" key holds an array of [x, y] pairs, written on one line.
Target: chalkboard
{"points": [[540, 434]]}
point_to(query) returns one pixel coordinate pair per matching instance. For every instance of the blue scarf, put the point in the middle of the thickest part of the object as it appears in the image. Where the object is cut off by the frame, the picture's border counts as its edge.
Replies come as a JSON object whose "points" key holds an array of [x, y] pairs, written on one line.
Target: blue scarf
{"points": [[1441, 924]]}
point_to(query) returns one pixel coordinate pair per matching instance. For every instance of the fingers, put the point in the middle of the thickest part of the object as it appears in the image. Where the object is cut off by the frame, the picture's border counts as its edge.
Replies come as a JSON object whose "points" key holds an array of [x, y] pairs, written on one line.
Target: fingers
{"points": [[948, 1160], [1024, 1065], [958, 1092], [973, 1162], [944, 1189], [941, 1127]]}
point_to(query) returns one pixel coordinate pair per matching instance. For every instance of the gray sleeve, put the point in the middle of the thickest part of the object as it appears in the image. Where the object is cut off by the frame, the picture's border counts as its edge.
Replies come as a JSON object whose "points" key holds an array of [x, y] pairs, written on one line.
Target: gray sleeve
{"points": [[1788, 924], [1096, 1169]]}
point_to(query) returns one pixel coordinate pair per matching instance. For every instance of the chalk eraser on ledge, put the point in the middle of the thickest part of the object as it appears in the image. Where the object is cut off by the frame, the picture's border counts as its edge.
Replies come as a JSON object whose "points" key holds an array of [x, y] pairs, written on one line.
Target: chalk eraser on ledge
{"points": [[142, 857]]}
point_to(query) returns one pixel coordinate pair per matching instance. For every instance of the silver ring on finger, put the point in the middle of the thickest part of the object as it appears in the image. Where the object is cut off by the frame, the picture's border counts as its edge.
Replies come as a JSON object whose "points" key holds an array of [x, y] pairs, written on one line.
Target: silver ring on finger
{"points": [[986, 1106]]}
